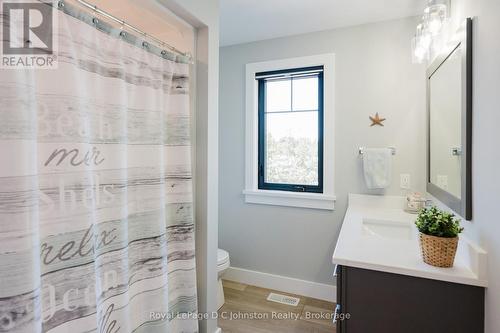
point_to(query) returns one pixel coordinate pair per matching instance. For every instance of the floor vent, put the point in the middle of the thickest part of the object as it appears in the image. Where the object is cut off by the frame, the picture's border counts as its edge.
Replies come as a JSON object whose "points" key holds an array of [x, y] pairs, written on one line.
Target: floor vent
{"points": [[283, 299]]}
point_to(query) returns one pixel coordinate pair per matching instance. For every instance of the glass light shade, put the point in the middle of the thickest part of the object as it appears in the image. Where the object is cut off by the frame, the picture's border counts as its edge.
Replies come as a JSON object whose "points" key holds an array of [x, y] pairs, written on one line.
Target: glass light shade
{"points": [[419, 53], [423, 34], [428, 39], [425, 40], [422, 42], [435, 16]]}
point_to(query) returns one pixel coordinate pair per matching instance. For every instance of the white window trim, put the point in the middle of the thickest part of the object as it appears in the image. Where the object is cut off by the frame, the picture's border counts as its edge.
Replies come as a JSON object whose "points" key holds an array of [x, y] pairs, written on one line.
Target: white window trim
{"points": [[325, 200]]}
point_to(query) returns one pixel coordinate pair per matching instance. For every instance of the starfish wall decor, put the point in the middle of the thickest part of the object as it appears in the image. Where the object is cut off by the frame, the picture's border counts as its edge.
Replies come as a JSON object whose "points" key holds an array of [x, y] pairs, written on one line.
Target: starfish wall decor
{"points": [[376, 120]]}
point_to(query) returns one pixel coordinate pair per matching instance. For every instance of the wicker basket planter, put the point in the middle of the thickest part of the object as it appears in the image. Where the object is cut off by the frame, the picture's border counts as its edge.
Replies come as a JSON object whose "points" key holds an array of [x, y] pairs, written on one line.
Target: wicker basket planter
{"points": [[438, 251]]}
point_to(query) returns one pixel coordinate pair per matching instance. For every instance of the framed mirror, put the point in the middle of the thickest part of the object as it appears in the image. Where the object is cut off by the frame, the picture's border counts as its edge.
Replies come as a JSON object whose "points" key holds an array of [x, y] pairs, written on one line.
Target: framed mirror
{"points": [[449, 121]]}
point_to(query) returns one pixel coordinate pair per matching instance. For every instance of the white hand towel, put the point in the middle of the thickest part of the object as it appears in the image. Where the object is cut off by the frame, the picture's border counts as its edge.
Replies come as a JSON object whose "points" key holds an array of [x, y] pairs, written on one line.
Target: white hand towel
{"points": [[377, 165]]}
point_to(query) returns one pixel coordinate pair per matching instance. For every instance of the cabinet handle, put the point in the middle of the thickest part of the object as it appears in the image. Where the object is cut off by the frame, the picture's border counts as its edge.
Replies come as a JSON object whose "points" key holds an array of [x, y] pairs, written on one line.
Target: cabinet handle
{"points": [[336, 270], [336, 314]]}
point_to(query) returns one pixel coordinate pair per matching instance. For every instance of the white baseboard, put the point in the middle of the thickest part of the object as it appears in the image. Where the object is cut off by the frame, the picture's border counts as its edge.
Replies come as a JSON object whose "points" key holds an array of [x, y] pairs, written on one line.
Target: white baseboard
{"points": [[285, 284]]}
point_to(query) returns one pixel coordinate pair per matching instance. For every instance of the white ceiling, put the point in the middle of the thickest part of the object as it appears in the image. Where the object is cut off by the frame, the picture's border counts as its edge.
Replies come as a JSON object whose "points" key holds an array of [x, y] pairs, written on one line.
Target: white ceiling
{"points": [[245, 21]]}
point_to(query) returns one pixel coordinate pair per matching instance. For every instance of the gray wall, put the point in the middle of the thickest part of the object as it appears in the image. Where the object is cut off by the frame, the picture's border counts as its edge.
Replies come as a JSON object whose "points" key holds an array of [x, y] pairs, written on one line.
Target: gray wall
{"points": [[485, 226], [373, 74]]}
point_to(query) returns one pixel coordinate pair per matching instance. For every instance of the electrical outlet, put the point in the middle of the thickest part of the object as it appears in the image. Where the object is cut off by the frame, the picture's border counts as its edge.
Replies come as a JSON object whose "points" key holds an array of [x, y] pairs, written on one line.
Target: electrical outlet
{"points": [[405, 181]]}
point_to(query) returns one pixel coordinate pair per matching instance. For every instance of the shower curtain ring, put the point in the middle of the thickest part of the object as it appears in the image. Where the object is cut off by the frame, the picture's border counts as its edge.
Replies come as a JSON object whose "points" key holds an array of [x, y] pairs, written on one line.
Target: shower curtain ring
{"points": [[60, 4], [122, 31], [144, 43], [95, 20]]}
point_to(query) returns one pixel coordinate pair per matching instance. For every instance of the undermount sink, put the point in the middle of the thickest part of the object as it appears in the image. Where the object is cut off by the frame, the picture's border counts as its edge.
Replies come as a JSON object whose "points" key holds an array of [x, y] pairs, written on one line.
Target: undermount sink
{"points": [[389, 229]]}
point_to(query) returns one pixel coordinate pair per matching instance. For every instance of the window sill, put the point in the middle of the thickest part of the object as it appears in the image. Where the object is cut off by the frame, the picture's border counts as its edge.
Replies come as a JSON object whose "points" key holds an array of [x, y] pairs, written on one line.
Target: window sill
{"points": [[290, 199]]}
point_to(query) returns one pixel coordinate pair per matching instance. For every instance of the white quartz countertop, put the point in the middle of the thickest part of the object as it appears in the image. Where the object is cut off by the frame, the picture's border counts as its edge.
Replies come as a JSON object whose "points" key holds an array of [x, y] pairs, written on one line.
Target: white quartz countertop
{"points": [[378, 234]]}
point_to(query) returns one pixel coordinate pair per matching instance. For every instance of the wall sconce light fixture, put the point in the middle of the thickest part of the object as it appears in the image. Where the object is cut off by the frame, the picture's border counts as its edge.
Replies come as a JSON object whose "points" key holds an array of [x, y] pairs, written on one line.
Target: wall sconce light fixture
{"points": [[428, 29]]}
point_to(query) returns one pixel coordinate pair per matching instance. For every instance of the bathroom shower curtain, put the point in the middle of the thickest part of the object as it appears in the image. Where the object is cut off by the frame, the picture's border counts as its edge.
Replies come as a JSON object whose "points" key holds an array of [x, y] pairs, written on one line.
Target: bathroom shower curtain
{"points": [[96, 213]]}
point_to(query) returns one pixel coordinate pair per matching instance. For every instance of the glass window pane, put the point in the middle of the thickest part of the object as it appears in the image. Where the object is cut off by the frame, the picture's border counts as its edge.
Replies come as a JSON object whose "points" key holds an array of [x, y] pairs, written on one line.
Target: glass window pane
{"points": [[305, 93], [292, 148], [278, 95]]}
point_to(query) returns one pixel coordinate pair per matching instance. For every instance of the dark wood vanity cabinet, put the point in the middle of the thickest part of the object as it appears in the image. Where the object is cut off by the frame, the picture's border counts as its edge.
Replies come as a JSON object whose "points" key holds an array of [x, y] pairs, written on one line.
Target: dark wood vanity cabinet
{"points": [[374, 302]]}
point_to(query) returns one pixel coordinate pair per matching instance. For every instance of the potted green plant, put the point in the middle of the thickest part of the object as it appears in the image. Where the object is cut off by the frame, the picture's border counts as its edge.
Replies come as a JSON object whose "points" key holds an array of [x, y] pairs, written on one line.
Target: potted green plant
{"points": [[439, 232]]}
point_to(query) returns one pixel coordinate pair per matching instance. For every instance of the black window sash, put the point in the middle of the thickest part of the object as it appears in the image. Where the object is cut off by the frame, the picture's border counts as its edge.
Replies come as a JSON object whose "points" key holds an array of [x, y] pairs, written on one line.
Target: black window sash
{"points": [[262, 184]]}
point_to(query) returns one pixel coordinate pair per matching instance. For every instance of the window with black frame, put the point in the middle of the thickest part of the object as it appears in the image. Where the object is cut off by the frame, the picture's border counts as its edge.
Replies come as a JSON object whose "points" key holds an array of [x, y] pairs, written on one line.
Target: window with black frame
{"points": [[291, 129]]}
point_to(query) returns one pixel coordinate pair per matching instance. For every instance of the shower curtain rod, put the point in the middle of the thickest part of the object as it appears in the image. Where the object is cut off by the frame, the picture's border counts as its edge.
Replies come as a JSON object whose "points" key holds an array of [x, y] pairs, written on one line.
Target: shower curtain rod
{"points": [[131, 27]]}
